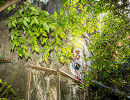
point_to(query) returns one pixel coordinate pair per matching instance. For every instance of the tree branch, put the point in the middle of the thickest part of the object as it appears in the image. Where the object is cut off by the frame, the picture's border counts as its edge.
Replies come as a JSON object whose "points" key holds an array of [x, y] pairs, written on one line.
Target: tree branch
{"points": [[9, 3]]}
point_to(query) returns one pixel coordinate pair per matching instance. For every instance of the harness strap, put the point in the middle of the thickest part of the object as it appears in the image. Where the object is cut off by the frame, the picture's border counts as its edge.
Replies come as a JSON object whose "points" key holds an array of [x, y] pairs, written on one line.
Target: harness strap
{"points": [[77, 65]]}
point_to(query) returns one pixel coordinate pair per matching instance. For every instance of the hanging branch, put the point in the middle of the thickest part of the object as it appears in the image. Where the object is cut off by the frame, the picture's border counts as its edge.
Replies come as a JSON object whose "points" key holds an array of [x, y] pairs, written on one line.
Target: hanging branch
{"points": [[9, 3]]}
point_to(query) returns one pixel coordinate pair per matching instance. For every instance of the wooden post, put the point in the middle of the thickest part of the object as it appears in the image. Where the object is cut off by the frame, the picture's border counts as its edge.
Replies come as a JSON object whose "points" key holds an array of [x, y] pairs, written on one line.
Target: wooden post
{"points": [[58, 84], [87, 93], [83, 94], [28, 83]]}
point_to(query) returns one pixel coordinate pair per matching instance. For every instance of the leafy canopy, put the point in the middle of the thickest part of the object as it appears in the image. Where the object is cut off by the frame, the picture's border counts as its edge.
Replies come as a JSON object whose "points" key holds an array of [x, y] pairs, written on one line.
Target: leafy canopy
{"points": [[33, 29], [109, 46]]}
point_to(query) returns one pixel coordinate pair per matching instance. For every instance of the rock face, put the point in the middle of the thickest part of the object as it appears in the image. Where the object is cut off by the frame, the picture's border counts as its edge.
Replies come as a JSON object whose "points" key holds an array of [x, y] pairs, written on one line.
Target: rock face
{"points": [[14, 74], [43, 87]]}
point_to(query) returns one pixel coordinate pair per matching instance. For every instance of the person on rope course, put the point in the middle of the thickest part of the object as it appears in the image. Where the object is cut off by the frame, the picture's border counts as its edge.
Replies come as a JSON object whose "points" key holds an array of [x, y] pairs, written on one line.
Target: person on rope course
{"points": [[77, 63]]}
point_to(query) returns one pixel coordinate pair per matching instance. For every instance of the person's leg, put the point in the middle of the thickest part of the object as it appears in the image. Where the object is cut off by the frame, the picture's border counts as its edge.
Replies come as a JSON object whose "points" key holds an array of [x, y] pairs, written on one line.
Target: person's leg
{"points": [[76, 72]]}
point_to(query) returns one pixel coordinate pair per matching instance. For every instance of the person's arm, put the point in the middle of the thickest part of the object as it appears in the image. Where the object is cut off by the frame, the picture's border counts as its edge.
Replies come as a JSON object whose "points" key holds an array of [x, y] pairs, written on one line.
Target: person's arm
{"points": [[77, 57]]}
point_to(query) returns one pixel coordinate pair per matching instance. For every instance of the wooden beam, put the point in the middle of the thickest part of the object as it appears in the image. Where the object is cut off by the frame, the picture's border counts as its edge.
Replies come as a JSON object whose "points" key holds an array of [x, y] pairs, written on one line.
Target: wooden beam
{"points": [[70, 77], [28, 83], [43, 69], [50, 73], [58, 84]]}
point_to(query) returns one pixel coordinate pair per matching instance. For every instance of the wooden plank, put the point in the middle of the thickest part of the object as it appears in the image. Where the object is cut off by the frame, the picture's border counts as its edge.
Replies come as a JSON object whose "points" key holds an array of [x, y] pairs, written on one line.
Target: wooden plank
{"points": [[70, 77], [28, 83], [43, 69], [58, 84]]}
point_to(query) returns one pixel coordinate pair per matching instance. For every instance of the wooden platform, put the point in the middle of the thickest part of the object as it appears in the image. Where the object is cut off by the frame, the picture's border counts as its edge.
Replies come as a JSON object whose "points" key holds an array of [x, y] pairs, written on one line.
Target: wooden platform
{"points": [[49, 71]]}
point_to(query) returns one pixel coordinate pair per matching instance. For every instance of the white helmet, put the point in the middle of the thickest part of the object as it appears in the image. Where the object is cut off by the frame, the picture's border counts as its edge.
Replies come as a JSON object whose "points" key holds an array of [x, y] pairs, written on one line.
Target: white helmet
{"points": [[77, 49]]}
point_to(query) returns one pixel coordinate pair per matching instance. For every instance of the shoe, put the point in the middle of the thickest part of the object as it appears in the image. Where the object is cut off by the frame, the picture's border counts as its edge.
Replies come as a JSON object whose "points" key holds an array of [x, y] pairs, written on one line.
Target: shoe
{"points": [[78, 79]]}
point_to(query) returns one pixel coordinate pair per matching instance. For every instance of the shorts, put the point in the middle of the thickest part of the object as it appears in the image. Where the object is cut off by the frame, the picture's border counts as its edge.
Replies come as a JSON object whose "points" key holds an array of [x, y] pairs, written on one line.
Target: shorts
{"points": [[77, 66]]}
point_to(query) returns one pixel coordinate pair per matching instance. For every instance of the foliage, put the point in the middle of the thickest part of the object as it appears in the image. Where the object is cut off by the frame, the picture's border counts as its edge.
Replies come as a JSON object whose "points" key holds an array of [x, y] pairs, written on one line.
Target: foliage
{"points": [[27, 27], [2, 2], [6, 92], [31, 27], [110, 48]]}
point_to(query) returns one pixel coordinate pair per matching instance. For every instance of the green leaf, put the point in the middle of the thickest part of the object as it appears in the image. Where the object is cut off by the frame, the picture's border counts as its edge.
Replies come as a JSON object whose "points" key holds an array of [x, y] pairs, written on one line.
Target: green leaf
{"points": [[33, 8], [12, 36], [25, 23], [52, 26], [37, 34], [13, 6], [56, 47], [105, 75], [36, 49], [32, 22], [46, 26], [26, 56], [9, 25], [0, 81], [32, 47], [36, 20], [20, 54], [21, 10], [44, 40], [9, 8], [20, 20], [26, 19], [9, 86], [8, 20], [13, 23], [44, 33], [55, 14], [13, 45], [45, 59]]}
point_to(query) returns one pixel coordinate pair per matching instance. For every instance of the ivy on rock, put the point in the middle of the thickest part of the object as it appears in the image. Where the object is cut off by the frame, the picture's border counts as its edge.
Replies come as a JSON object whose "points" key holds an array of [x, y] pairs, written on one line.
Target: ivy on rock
{"points": [[33, 29]]}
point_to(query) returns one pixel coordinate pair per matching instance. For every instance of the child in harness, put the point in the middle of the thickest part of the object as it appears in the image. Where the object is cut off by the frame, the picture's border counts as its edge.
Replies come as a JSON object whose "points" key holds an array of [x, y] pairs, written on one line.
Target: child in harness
{"points": [[77, 63]]}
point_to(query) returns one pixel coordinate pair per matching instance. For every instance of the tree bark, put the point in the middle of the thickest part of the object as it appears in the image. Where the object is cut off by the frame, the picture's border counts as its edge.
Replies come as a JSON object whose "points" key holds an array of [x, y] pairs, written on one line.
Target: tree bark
{"points": [[9, 3]]}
